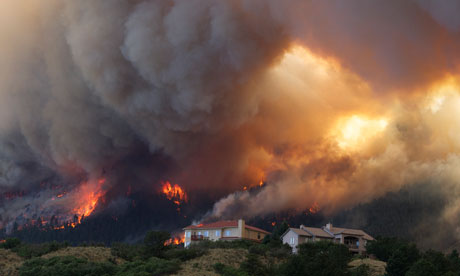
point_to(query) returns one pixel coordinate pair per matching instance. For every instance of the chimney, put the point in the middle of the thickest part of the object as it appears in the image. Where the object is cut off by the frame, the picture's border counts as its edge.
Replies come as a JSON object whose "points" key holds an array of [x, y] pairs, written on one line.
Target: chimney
{"points": [[329, 226], [241, 227]]}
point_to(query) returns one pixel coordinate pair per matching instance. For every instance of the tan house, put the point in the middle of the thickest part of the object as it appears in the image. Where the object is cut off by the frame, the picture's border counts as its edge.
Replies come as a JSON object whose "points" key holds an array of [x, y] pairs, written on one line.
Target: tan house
{"points": [[223, 230], [354, 239]]}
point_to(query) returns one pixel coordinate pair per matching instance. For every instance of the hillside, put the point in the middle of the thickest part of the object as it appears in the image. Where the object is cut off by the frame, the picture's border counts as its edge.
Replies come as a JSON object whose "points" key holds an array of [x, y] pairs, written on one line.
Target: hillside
{"points": [[200, 266]]}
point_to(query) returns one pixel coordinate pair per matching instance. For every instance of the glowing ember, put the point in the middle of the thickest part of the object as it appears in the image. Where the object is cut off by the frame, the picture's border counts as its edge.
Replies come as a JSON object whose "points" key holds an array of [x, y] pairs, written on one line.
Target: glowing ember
{"points": [[273, 223], [314, 209], [174, 193]]}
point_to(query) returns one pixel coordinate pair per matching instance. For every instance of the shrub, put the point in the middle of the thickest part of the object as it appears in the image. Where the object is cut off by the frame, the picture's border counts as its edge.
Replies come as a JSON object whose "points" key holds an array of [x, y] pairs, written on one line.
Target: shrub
{"points": [[154, 243], [36, 250], [362, 270], [402, 259], [184, 254], [152, 267], [67, 265], [383, 247], [226, 270], [253, 266], [319, 258], [125, 251]]}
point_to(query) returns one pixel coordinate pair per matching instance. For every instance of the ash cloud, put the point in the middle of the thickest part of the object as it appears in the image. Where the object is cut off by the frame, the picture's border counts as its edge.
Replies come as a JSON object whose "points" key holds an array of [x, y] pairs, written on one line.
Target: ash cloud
{"points": [[219, 95]]}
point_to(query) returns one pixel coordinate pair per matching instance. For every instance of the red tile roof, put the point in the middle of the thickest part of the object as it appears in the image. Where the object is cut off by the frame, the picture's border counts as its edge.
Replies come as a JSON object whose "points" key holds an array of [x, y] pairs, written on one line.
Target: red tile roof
{"points": [[223, 224]]}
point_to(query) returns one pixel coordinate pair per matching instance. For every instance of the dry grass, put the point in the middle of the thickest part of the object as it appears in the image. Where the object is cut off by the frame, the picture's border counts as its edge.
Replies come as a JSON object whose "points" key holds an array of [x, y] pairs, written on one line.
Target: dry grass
{"points": [[9, 263], [377, 268], [203, 266], [94, 254]]}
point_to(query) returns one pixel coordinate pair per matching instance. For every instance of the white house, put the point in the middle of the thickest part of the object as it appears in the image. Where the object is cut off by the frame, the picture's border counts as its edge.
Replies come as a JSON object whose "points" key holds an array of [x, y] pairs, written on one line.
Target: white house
{"points": [[223, 230], [354, 239]]}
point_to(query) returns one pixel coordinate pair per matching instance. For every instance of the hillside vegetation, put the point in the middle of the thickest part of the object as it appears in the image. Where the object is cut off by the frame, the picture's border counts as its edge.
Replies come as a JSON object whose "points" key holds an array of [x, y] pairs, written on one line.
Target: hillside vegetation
{"points": [[236, 258]]}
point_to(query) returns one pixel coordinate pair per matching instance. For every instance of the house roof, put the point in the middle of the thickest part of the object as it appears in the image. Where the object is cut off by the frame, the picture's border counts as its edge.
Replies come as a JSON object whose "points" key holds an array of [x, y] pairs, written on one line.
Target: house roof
{"points": [[318, 232], [224, 224], [300, 232], [355, 232], [309, 232]]}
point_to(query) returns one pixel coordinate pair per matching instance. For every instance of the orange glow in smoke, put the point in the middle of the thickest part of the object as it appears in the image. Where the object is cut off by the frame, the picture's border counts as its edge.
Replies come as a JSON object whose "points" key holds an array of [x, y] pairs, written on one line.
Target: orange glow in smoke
{"points": [[174, 193]]}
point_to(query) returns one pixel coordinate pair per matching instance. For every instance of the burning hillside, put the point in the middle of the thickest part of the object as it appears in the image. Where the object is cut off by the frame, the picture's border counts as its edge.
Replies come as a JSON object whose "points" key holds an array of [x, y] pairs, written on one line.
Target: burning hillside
{"points": [[251, 107]]}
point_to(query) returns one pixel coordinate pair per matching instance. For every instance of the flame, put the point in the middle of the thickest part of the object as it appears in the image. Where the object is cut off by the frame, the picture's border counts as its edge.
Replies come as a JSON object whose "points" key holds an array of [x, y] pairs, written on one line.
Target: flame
{"points": [[175, 193], [314, 208], [175, 240], [273, 223], [89, 196]]}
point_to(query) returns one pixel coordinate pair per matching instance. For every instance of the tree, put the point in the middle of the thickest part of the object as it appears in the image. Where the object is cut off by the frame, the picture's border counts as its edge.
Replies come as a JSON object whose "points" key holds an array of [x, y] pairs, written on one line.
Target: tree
{"points": [[155, 243], [383, 247], [318, 259], [422, 268], [402, 259]]}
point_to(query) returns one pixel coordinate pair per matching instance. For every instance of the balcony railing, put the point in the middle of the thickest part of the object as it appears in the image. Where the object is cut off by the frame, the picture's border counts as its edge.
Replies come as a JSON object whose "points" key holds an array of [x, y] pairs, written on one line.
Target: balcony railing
{"points": [[197, 237], [352, 246]]}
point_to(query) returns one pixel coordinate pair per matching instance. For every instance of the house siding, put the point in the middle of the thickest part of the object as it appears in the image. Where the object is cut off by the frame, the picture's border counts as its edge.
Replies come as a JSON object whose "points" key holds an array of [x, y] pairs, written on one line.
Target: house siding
{"points": [[287, 239], [226, 233]]}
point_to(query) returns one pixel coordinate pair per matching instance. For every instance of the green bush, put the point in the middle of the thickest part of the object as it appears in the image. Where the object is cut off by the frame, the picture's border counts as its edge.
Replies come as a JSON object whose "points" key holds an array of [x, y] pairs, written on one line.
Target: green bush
{"points": [[318, 258], [185, 254], [226, 270], [36, 250], [402, 259], [253, 266], [152, 267], [362, 270], [125, 251], [154, 243], [383, 247], [63, 266]]}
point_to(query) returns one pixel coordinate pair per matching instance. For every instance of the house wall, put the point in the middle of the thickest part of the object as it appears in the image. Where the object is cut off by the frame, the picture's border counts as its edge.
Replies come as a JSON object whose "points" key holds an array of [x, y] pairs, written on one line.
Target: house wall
{"points": [[253, 235], [287, 239]]}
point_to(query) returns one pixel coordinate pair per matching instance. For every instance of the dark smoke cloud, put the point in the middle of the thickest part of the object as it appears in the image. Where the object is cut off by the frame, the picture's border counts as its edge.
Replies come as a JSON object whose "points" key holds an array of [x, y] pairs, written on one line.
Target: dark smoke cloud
{"points": [[219, 95]]}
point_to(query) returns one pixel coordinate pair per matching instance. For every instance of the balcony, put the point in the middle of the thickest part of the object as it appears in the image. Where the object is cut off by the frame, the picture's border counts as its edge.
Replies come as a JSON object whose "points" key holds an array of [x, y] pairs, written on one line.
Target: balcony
{"points": [[352, 246], [197, 237]]}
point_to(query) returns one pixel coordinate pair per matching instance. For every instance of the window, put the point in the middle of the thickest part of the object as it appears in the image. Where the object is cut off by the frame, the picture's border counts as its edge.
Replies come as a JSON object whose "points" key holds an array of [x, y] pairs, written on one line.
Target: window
{"points": [[206, 233], [199, 233], [188, 234], [258, 236], [217, 233], [292, 241], [227, 233]]}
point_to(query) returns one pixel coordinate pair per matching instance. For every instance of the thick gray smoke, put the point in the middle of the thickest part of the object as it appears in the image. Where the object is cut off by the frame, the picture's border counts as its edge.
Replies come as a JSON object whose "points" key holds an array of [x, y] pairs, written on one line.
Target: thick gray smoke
{"points": [[216, 89]]}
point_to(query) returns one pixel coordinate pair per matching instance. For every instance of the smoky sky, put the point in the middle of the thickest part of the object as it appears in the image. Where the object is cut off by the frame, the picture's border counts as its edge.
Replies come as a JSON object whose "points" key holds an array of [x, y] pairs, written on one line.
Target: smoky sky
{"points": [[220, 95]]}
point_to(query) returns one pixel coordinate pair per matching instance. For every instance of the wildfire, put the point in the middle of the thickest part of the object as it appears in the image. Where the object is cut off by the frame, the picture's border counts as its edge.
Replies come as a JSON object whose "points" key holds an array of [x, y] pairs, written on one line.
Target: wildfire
{"points": [[175, 240], [314, 208], [89, 196], [174, 193]]}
